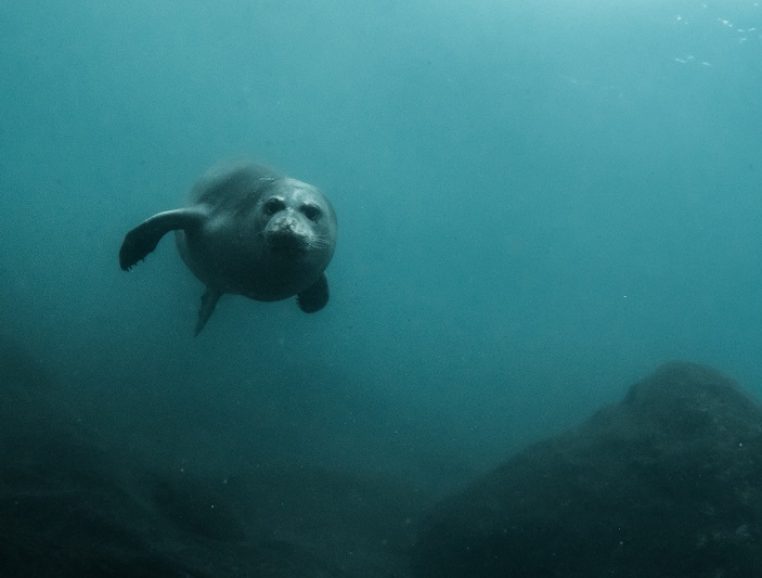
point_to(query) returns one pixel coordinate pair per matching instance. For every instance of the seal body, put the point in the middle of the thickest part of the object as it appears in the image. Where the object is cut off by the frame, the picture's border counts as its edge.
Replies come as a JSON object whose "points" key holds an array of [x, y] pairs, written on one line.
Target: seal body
{"points": [[248, 231]]}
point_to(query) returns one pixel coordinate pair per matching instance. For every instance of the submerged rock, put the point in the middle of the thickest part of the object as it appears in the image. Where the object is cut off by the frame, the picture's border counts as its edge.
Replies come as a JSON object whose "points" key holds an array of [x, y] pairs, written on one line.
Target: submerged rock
{"points": [[666, 483], [73, 504]]}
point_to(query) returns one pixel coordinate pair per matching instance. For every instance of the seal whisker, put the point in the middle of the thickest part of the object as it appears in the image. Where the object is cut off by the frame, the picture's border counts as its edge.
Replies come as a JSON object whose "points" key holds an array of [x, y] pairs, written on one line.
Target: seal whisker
{"points": [[318, 243]]}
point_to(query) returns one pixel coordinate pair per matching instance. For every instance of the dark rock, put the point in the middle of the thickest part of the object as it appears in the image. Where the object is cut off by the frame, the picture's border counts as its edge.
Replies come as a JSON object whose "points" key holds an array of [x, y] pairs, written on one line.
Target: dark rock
{"points": [[666, 483], [72, 504]]}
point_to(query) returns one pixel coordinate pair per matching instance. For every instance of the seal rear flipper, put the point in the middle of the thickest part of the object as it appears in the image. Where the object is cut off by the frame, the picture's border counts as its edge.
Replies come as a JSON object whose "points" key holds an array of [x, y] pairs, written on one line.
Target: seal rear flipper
{"points": [[315, 297], [208, 302], [143, 239]]}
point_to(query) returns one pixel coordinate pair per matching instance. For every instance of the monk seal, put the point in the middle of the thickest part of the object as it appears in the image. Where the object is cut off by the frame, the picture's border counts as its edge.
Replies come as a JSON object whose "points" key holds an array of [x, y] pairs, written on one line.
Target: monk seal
{"points": [[250, 231]]}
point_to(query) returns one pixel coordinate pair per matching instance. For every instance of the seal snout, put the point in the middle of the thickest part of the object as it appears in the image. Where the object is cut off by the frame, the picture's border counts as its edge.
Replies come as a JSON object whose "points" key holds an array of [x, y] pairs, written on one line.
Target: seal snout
{"points": [[286, 239], [287, 225]]}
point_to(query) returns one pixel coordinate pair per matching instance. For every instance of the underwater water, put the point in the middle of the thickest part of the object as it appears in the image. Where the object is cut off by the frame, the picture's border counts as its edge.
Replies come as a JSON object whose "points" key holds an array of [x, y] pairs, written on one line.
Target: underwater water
{"points": [[538, 202]]}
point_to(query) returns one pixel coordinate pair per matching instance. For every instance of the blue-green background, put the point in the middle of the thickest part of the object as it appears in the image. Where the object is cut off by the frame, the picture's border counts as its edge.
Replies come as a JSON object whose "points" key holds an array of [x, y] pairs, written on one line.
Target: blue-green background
{"points": [[539, 201]]}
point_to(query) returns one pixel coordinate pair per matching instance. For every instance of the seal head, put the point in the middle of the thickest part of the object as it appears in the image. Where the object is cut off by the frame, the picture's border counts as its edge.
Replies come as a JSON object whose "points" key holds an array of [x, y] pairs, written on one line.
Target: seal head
{"points": [[297, 222]]}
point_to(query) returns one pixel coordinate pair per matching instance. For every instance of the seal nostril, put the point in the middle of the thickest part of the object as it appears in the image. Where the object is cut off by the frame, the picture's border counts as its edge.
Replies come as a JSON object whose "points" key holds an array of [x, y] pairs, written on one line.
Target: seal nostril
{"points": [[288, 225]]}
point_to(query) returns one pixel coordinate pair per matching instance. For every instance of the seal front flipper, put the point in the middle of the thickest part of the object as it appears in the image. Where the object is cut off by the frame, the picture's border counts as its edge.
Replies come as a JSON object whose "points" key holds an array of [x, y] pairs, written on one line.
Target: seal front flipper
{"points": [[143, 239], [315, 297], [208, 302]]}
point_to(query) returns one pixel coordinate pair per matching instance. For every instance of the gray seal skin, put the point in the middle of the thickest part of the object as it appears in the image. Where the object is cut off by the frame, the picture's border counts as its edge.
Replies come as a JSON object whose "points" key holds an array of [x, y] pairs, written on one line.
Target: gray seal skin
{"points": [[250, 231]]}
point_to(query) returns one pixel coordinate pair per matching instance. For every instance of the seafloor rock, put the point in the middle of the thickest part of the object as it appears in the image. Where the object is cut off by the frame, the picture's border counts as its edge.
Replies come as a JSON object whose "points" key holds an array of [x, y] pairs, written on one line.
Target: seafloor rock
{"points": [[72, 505], [667, 484]]}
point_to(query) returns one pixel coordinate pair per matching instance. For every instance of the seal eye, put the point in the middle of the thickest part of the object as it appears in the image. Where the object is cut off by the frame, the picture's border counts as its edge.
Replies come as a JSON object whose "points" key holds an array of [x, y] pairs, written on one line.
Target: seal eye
{"points": [[312, 212], [274, 205]]}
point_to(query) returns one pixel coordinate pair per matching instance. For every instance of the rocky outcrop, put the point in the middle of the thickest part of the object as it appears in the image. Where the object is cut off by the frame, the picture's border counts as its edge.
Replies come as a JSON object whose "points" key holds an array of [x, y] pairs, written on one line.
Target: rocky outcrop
{"points": [[667, 483], [73, 505]]}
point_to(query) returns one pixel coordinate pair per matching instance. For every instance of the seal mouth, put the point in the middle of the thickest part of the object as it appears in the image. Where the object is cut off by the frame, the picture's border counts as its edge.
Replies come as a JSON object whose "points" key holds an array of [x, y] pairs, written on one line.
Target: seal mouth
{"points": [[287, 243]]}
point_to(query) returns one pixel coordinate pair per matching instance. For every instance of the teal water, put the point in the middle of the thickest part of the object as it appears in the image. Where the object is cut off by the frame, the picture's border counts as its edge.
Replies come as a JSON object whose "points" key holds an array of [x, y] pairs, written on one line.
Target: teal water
{"points": [[538, 203]]}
